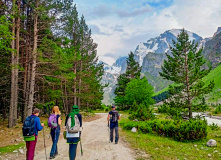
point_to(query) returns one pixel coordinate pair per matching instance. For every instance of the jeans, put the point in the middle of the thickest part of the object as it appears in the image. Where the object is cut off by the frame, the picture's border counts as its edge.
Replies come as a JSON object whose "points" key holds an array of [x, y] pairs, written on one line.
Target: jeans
{"points": [[55, 136], [30, 145], [73, 142], [114, 126]]}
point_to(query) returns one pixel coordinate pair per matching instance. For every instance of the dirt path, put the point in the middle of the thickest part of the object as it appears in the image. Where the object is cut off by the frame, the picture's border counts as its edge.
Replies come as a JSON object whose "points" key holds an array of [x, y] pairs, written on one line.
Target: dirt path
{"points": [[95, 144]]}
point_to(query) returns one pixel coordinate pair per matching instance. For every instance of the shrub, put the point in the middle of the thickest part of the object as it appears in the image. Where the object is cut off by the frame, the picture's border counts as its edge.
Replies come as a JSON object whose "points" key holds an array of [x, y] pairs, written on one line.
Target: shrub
{"points": [[214, 126], [218, 109], [142, 113], [105, 108], [163, 108], [180, 130], [191, 130], [128, 125], [145, 127], [172, 111]]}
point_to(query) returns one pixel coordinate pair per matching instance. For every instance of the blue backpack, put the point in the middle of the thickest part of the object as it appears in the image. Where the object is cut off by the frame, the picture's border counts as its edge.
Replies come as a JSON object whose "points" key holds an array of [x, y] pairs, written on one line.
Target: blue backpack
{"points": [[28, 128]]}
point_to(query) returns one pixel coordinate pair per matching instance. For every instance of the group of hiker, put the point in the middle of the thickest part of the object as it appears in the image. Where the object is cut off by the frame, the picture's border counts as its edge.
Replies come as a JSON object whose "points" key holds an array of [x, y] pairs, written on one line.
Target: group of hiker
{"points": [[73, 124]]}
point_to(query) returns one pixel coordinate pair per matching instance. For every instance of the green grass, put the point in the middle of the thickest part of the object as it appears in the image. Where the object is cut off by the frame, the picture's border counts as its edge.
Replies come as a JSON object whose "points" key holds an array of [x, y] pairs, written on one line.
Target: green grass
{"points": [[164, 148], [215, 75], [11, 148], [161, 91]]}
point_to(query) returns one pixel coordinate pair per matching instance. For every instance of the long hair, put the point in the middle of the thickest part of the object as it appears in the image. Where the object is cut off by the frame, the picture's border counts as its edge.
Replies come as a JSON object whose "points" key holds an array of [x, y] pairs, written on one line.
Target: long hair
{"points": [[56, 110]]}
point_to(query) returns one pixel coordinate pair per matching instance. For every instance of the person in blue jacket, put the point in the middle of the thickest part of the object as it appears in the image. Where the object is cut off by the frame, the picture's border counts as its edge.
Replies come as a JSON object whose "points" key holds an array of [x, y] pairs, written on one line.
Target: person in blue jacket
{"points": [[30, 145]]}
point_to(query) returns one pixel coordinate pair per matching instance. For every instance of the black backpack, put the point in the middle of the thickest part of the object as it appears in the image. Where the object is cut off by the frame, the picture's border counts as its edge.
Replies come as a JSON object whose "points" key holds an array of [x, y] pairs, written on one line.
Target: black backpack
{"points": [[28, 128], [114, 116]]}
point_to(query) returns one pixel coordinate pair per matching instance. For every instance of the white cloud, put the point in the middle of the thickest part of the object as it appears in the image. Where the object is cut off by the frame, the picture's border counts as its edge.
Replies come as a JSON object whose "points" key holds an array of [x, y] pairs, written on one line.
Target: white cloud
{"points": [[200, 16]]}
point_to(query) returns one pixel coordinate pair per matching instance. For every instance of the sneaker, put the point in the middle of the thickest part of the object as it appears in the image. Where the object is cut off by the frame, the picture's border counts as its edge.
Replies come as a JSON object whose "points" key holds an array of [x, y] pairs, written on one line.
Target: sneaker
{"points": [[116, 142]]}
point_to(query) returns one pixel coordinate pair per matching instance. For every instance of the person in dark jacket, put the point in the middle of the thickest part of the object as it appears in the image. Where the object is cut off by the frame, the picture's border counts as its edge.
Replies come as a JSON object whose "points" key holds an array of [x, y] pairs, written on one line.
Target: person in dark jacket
{"points": [[73, 142], [55, 132], [113, 117], [30, 145]]}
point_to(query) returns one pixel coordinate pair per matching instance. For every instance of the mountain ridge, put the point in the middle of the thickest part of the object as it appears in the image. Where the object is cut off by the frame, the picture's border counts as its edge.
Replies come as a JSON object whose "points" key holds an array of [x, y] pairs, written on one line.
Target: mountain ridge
{"points": [[151, 54]]}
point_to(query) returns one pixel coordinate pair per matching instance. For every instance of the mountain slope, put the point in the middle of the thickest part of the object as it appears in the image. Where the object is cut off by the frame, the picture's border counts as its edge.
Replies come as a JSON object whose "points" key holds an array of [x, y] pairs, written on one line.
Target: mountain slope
{"points": [[212, 49], [215, 95]]}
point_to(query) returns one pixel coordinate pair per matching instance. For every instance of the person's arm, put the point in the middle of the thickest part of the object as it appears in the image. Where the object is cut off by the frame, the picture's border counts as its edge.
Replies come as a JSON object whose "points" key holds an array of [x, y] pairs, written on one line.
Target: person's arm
{"points": [[118, 116], [108, 119], [80, 119], [59, 120], [39, 126], [66, 120]]}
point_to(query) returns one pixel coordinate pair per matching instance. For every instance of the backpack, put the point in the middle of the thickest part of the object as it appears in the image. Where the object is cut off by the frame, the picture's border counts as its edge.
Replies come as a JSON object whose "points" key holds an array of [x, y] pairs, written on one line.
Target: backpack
{"points": [[28, 128], [114, 117], [52, 121], [76, 127]]}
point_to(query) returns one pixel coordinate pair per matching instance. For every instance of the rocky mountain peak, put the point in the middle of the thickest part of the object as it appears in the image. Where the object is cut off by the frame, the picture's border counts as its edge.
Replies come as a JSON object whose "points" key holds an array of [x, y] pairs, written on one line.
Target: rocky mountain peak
{"points": [[217, 32], [161, 43]]}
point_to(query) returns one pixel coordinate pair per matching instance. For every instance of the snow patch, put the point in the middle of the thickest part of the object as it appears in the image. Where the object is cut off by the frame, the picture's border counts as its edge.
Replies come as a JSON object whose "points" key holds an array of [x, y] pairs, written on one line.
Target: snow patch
{"points": [[155, 47]]}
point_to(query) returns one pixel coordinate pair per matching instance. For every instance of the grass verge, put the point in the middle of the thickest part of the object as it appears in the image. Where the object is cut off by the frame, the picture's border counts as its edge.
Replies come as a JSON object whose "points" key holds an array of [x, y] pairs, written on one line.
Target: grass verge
{"points": [[11, 148]]}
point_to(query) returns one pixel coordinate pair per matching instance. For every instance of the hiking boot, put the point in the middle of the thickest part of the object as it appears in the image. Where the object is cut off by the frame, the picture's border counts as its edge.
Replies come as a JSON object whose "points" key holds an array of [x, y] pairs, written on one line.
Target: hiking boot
{"points": [[116, 142], [51, 157], [56, 154]]}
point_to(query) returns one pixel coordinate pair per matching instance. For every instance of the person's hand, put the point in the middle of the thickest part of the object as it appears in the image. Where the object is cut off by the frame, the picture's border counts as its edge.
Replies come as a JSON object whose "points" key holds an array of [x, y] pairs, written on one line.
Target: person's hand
{"points": [[42, 124], [108, 125]]}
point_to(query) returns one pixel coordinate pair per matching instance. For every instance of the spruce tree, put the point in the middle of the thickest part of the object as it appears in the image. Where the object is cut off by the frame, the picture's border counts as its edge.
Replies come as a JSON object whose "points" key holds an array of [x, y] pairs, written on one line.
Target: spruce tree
{"points": [[133, 69], [184, 67]]}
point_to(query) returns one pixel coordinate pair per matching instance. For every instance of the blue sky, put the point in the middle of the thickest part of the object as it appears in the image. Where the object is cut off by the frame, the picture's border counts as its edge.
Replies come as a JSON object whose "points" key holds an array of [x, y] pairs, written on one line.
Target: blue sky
{"points": [[118, 26]]}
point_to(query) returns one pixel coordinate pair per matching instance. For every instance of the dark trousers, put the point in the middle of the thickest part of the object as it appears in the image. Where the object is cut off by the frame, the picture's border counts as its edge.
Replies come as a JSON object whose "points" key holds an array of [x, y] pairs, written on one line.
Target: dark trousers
{"points": [[112, 133], [30, 145], [72, 151], [73, 142], [55, 136]]}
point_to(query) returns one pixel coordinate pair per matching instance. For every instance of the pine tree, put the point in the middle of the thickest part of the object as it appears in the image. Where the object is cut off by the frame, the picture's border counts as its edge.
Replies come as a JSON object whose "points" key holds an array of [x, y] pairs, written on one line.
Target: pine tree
{"points": [[184, 67], [133, 69], [51, 56]]}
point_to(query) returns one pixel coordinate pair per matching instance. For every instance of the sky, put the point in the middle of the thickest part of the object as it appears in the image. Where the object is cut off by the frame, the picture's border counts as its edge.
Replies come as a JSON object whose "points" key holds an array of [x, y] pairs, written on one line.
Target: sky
{"points": [[118, 26]]}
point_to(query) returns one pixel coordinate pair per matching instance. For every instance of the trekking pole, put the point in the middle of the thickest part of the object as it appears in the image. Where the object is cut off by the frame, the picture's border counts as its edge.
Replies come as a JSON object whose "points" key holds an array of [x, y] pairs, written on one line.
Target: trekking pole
{"points": [[44, 142], [81, 149], [109, 130]]}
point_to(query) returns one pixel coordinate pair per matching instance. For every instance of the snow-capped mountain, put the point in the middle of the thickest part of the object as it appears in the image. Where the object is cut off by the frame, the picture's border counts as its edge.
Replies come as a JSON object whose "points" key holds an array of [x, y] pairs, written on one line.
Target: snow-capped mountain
{"points": [[121, 63], [110, 77], [151, 55], [111, 69], [161, 43]]}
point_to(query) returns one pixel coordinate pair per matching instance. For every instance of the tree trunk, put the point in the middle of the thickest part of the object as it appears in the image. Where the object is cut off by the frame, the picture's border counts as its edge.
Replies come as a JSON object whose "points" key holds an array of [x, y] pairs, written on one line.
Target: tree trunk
{"points": [[66, 98], [79, 99], [75, 79], [187, 86], [12, 98], [27, 79], [17, 62], [33, 69], [63, 99]]}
